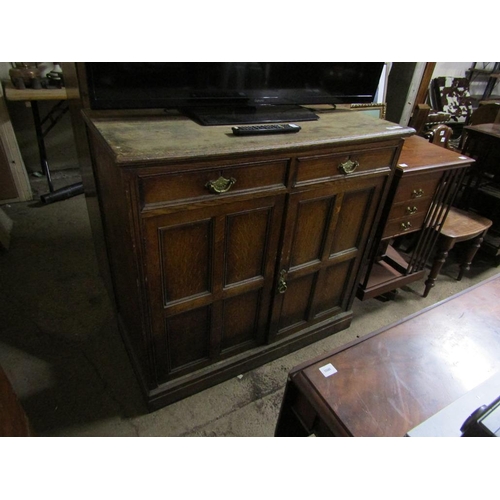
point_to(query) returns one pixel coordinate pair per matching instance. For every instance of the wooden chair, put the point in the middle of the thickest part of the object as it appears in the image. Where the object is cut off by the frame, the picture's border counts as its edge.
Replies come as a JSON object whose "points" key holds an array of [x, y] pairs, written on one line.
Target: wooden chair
{"points": [[452, 95], [432, 125], [440, 135], [423, 118], [487, 112], [458, 226]]}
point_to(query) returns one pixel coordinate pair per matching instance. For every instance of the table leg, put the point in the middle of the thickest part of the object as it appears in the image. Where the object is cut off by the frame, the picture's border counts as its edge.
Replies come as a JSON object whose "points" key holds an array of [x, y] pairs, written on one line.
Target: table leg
{"points": [[41, 144], [469, 256], [444, 247], [288, 424]]}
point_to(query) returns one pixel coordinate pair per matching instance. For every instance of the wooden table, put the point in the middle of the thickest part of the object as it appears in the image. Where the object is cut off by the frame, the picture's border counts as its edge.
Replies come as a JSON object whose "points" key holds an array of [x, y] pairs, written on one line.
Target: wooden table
{"points": [[45, 124], [395, 378], [424, 185], [482, 194]]}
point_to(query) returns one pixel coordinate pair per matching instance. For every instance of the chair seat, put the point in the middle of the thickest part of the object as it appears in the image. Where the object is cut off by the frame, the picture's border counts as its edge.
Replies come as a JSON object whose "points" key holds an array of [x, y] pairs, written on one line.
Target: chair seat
{"points": [[459, 226], [463, 225]]}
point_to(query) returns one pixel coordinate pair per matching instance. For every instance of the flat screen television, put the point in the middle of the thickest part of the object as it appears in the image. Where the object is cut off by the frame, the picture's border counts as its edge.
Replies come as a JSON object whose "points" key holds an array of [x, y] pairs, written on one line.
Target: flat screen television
{"points": [[231, 93]]}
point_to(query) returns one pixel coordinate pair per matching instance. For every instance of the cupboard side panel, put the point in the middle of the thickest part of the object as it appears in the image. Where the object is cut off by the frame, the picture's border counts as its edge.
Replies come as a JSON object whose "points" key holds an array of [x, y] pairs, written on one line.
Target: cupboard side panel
{"points": [[117, 219]]}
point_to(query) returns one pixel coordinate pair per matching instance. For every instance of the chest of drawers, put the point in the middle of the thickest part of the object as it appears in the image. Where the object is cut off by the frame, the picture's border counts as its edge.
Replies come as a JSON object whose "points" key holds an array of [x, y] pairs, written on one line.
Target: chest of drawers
{"points": [[425, 183]]}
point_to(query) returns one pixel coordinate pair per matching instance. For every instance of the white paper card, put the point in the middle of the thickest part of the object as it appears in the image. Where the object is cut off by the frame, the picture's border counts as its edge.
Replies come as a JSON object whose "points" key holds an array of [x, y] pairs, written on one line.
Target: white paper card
{"points": [[328, 370]]}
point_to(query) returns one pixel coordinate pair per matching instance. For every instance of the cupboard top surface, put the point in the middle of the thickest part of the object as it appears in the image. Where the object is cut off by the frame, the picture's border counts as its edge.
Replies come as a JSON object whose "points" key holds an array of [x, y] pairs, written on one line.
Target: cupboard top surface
{"points": [[139, 139], [418, 154]]}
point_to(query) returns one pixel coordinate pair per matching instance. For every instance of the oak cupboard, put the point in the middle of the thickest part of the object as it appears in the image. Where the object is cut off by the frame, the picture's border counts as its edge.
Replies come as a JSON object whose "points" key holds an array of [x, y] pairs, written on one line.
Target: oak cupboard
{"points": [[227, 252]]}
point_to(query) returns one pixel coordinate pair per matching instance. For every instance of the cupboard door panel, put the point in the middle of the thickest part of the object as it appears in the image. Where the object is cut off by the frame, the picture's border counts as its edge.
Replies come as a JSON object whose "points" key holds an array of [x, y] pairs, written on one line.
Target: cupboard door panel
{"points": [[188, 338], [330, 295], [351, 218], [210, 277], [312, 217], [296, 303], [244, 254], [185, 252], [241, 320], [327, 230]]}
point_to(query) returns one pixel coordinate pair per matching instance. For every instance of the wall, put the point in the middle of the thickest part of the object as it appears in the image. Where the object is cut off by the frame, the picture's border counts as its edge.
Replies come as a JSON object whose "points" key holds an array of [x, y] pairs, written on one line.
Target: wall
{"points": [[4, 70], [451, 69]]}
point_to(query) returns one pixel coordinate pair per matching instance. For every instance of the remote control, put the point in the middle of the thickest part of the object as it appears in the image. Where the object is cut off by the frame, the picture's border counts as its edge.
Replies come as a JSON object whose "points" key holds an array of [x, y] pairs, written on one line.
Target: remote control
{"points": [[266, 129]]}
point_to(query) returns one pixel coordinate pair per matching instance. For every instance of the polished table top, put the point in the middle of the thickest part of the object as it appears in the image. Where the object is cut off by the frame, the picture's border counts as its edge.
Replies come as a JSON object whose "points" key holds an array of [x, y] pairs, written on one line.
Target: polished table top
{"points": [[397, 377], [492, 129], [13, 94]]}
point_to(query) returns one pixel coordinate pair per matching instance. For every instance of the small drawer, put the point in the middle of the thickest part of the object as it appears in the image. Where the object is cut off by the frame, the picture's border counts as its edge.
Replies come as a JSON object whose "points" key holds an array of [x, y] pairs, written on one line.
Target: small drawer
{"points": [[417, 187], [410, 208], [403, 226], [324, 167], [196, 185]]}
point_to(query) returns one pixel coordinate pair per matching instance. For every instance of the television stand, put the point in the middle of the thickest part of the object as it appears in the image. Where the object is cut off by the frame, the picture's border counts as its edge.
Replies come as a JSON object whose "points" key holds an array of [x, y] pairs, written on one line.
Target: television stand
{"points": [[237, 115], [226, 253]]}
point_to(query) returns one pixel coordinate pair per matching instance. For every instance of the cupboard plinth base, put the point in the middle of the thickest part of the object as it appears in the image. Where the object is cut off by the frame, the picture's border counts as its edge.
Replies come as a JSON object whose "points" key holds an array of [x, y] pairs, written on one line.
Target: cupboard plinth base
{"points": [[188, 385]]}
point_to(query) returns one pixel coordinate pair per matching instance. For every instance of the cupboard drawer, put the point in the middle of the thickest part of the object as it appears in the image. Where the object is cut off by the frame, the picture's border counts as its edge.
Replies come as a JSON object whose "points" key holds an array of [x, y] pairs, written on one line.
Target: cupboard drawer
{"points": [[404, 225], [323, 167], [417, 187], [195, 185], [410, 208]]}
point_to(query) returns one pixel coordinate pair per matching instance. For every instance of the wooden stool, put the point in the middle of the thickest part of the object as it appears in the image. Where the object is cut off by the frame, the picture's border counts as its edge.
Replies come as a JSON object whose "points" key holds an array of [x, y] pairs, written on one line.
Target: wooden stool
{"points": [[458, 226]]}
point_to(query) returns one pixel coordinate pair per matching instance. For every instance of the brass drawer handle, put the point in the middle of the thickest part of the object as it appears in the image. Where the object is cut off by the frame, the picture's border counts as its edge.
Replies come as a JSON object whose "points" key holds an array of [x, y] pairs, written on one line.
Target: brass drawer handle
{"points": [[349, 166], [282, 286], [417, 193], [221, 185], [411, 210], [405, 226]]}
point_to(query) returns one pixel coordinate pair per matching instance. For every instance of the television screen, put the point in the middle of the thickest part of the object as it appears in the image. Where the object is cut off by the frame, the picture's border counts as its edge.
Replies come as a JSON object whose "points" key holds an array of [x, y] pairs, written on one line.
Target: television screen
{"points": [[123, 85]]}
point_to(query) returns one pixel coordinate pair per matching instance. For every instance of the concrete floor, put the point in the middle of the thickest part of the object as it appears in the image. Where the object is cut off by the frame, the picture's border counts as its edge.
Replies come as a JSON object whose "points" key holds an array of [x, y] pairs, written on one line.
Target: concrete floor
{"points": [[61, 349]]}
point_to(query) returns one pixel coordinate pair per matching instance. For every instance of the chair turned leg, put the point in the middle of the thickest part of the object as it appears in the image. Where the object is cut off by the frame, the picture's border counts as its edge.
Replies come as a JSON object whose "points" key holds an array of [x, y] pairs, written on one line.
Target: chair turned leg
{"points": [[444, 246], [469, 256]]}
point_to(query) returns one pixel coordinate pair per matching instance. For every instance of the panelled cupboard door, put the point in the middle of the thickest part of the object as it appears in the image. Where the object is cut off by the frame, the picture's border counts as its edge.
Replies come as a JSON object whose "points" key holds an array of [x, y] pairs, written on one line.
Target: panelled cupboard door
{"points": [[326, 232], [210, 277]]}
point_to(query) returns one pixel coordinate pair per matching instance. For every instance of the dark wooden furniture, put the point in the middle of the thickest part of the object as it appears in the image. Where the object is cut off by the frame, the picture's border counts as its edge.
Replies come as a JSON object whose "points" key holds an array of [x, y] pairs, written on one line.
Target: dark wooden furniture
{"points": [[227, 252], [487, 112], [482, 191], [425, 183], [13, 419], [8, 190], [425, 118], [397, 377], [459, 226]]}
